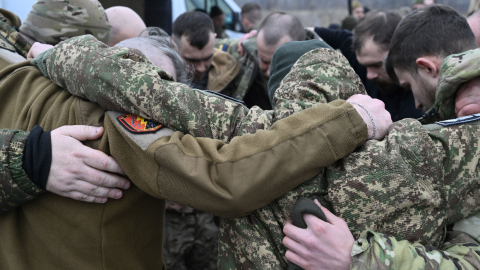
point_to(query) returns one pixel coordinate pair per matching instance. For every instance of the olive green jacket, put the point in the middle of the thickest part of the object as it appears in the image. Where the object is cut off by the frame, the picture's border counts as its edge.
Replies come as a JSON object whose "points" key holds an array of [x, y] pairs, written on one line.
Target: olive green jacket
{"points": [[61, 233]]}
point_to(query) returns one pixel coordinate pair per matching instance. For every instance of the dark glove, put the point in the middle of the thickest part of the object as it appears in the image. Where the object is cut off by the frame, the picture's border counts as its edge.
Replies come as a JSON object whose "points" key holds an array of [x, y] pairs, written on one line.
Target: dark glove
{"points": [[304, 206]]}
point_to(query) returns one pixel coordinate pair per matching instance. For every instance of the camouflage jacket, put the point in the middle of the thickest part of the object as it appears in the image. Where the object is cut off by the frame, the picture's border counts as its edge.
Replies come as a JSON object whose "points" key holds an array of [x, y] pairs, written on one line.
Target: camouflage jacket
{"points": [[250, 76], [382, 251], [16, 187], [402, 207]]}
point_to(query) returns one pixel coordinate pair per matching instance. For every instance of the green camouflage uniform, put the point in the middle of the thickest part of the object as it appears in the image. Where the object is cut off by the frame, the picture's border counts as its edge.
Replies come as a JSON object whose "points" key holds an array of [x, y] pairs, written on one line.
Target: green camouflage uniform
{"points": [[15, 186], [458, 251], [425, 183], [250, 75], [83, 17]]}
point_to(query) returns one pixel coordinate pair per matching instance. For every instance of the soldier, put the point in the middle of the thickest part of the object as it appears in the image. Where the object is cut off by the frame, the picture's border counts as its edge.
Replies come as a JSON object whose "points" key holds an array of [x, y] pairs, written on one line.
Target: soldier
{"points": [[110, 235], [444, 87], [251, 16], [382, 193], [194, 35], [76, 179], [218, 17], [251, 84]]}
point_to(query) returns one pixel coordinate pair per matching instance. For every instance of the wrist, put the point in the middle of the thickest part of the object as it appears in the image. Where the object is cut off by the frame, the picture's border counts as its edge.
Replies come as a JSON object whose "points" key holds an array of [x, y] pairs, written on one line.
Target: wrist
{"points": [[367, 118]]}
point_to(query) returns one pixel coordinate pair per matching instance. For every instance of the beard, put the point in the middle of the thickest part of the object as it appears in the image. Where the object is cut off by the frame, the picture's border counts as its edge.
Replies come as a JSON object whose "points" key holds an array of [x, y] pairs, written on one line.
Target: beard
{"points": [[387, 87]]}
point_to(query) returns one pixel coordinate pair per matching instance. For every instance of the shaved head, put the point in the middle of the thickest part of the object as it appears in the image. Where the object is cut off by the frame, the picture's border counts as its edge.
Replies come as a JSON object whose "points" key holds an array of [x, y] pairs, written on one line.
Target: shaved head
{"points": [[125, 22], [279, 25]]}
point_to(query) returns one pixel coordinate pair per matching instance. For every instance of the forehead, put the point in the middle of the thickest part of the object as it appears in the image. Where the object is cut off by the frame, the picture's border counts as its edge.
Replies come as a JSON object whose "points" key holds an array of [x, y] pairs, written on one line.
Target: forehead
{"points": [[405, 78], [188, 51], [371, 52], [164, 62]]}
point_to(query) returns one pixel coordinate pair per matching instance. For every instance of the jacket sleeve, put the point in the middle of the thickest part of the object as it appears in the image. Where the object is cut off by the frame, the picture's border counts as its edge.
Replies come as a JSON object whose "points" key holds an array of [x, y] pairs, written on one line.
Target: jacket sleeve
{"points": [[16, 187], [380, 251], [122, 79], [231, 180]]}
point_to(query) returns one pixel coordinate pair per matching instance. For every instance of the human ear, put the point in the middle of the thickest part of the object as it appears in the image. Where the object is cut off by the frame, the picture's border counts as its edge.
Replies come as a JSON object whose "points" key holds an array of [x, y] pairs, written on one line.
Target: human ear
{"points": [[429, 66]]}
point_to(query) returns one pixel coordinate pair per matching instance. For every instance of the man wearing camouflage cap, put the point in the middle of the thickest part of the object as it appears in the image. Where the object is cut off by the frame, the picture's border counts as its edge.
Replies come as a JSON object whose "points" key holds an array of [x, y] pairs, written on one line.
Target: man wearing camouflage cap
{"points": [[364, 193], [52, 21], [73, 164]]}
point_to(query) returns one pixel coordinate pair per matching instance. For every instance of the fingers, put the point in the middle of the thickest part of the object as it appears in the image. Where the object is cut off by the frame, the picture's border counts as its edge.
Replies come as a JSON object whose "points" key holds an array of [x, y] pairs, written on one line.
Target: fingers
{"points": [[101, 161], [81, 132], [294, 258]]}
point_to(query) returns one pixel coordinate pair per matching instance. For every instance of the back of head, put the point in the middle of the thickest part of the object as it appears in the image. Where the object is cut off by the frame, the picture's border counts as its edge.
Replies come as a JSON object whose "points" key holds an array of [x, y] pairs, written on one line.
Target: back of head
{"points": [[252, 12], [125, 22], [378, 24], [349, 23], [196, 26], [356, 4], [215, 11], [52, 21], [156, 38], [278, 25], [436, 30]]}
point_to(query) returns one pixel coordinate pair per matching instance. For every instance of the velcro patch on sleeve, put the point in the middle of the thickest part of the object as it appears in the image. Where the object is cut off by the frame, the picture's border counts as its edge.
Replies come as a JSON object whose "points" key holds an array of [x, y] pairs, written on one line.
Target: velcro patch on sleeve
{"points": [[222, 47], [460, 120], [136, 124]]}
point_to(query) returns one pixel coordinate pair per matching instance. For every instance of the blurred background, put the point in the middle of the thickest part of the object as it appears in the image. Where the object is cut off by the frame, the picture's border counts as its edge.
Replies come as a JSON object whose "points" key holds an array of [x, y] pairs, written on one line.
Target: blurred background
{"points": [[325, 12]]}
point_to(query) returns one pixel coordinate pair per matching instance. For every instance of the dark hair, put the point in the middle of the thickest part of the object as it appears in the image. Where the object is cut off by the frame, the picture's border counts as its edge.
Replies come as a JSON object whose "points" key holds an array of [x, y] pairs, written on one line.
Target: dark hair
{"points": [[196, 26], [279, 24], [215, 11], [436, 30], [252, 12], [378, 24]]}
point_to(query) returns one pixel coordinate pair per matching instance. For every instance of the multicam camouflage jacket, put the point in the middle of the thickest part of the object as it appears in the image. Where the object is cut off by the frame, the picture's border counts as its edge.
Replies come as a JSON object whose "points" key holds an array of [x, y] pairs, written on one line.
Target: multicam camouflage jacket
{"points": [[378, 251], [250, 76], [410, 186]]}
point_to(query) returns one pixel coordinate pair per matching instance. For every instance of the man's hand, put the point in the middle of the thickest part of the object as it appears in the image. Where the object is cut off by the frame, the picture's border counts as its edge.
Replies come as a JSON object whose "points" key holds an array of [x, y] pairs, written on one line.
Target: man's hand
{"points": [[37, 48], [376, 108], [247, 35], [321, 245], [468, 98], [80, 172]]}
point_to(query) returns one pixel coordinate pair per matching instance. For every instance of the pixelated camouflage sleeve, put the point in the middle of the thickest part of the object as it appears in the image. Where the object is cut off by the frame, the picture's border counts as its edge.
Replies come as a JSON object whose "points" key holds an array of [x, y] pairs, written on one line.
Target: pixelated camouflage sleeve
{"points": [[15, 187], [380, 251], [122, 79]]}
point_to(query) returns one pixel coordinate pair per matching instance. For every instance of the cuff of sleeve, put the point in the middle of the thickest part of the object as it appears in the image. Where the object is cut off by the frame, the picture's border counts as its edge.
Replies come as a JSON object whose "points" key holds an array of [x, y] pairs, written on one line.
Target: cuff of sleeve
{"points": [[15, 165], [37, 157], [358, 125], [41, 62]]}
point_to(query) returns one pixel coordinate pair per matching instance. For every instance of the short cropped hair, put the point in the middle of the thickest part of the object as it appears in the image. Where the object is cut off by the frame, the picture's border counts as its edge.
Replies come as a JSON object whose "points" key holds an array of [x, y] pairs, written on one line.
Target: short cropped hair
{"points": [[436, 30], [378, 24], [196, 26], [279, 24], [252, 12], [157, 37]]}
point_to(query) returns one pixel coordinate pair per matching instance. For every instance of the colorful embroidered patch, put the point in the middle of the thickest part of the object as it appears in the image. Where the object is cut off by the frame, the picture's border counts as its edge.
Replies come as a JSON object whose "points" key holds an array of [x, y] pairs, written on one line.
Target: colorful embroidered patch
{"points": [[137, 124]]}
